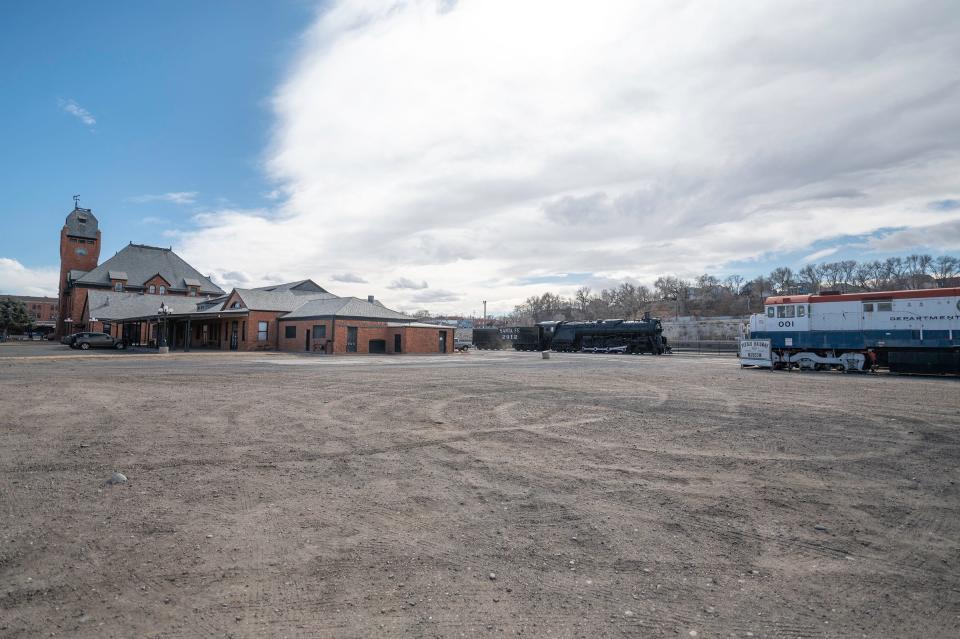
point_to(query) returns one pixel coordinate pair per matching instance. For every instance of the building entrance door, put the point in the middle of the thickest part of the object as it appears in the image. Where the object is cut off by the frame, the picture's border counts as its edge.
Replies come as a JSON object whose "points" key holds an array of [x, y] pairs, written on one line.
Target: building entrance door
{"points": [[233, 335], [396, 343], [351, 339], [307, 347], [443, 341]]}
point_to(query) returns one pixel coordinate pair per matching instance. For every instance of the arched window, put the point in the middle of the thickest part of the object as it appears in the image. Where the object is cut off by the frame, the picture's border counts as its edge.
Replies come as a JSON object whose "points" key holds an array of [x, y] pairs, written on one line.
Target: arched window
{"points": [[153, 289], [235, 305], [163, 289]]}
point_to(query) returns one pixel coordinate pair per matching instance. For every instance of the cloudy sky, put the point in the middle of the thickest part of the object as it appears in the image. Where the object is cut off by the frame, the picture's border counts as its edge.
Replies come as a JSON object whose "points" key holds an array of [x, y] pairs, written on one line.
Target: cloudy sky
{"points": [[439, 153]]}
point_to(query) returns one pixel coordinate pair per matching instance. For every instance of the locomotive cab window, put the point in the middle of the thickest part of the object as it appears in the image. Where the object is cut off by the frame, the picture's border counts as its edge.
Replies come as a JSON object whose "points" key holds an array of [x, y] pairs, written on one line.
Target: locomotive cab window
{"points": [[867, 307], [769, 311], [785, 311], [801, 310], [791, 312]]}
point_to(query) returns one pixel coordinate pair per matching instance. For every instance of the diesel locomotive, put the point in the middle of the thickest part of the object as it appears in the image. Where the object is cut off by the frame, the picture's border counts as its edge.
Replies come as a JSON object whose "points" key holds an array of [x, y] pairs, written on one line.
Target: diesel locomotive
{"points": [[600, 336], [904, 331]]}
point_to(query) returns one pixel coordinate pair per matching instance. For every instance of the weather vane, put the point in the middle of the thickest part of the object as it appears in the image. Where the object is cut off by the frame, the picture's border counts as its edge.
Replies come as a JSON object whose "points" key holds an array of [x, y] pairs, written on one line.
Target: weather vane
{"points": [[76, 201]]}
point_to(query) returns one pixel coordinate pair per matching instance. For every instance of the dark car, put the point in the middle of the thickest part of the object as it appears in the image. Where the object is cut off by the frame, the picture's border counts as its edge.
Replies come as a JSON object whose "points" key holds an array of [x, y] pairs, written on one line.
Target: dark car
{"points": [[85, 341]]}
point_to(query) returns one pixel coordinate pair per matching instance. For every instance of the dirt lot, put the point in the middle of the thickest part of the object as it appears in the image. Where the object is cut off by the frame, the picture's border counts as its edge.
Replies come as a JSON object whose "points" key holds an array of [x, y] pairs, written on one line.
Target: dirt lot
{"points": [[487, 494]]}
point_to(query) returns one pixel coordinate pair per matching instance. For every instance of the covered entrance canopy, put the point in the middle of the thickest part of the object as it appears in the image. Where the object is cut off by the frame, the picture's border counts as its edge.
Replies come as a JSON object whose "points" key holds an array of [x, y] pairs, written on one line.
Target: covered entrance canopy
{"points": [[220, 330], [149, 320]]}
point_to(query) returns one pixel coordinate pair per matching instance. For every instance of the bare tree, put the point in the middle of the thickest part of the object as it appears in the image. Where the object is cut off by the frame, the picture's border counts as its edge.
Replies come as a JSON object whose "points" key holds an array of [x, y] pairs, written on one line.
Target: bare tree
{"points": [[582, 298], [846, 269], [862, 275], [809, 275], [782, 279], [945, 267], [894, 268], [734, 283]]}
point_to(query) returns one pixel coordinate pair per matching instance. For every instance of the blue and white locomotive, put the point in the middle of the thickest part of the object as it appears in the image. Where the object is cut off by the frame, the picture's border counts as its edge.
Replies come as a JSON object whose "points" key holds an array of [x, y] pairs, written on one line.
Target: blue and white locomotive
{"points": [[906, 331]]}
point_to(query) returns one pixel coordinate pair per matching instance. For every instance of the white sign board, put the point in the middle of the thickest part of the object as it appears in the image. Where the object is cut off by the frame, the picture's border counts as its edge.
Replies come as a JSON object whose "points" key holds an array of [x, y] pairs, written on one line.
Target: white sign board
{"points": [[755, 352]]}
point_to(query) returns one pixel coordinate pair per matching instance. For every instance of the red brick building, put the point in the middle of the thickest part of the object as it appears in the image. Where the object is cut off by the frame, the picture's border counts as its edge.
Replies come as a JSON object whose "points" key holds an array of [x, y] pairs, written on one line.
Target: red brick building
{"points": [[149, 295], [136, 270], [42, 310]]}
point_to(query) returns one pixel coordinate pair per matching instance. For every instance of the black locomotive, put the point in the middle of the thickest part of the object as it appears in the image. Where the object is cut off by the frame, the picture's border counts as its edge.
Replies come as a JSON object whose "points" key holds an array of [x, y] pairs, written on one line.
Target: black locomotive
{"points": [[601, 336]]}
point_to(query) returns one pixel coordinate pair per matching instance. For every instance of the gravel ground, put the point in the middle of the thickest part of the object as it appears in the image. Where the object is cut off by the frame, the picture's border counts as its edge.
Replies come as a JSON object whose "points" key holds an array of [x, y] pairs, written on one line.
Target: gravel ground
{"points": [[486, 494]]}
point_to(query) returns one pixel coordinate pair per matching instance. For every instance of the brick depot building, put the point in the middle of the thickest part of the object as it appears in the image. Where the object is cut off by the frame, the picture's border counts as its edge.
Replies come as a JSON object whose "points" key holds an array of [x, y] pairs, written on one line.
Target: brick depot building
{"points": [[145, 294]]}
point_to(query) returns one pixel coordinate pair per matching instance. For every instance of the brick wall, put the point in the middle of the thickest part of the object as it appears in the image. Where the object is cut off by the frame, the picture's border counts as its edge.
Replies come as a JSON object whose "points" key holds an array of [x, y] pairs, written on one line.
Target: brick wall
{"points": [[413, 339]]}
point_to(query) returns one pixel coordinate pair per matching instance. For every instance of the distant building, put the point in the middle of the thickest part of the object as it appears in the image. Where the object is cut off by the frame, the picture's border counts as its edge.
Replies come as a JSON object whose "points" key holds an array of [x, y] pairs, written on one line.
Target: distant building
{"points": [[42, 310]]}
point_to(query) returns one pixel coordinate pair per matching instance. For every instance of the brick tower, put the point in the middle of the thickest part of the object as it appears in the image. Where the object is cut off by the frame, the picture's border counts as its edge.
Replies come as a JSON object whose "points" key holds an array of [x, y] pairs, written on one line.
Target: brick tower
{"points": [[79, 251]]}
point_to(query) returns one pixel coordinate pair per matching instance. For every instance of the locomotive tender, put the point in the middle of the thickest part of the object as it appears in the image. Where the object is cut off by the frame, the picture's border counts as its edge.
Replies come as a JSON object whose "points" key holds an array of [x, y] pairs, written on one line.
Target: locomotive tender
{"points": [[906, 331], [600, 336]]}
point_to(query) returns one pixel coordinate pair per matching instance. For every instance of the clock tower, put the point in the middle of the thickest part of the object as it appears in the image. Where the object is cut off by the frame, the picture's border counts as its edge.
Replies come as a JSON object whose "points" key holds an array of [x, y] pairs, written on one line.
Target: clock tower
{"points": [[79, 251]]}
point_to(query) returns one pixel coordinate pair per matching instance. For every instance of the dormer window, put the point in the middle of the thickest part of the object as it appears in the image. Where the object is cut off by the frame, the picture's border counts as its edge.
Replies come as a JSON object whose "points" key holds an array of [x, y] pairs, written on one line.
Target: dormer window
{"points": [[118, 287], [193, 291], [82, 219], [235, 305], [152, 289]]}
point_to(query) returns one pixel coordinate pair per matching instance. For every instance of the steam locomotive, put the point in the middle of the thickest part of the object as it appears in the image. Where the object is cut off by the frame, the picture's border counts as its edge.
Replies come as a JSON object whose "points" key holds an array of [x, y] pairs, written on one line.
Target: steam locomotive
{"points": [[600, 336]]}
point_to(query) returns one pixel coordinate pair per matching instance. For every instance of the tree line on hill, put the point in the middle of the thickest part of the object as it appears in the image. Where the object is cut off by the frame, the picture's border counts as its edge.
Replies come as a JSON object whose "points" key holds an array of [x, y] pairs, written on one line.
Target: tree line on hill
{"points": [[708, 295]]}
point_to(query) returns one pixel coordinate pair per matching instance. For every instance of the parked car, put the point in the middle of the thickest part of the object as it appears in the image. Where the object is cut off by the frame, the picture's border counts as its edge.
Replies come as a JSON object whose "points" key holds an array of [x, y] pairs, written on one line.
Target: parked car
{"points": [[462, 344], [85, 341], [67, 339]]}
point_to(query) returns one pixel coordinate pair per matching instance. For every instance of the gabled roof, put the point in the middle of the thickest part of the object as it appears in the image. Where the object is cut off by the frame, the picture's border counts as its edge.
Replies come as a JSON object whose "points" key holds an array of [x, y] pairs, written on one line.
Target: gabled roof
{"points": [[111, 305], [300, 286], [345, 307], [257, 299], [141, 262]]}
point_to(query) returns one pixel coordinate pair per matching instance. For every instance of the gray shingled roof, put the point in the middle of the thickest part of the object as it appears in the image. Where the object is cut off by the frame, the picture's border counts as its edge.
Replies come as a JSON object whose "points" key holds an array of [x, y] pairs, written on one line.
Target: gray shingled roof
{"points": [[75, 274], [117, 275], [143, 262], [261, 300], [300, 286], [192, 281], [82, 223], [110, 305], [345, 307]]}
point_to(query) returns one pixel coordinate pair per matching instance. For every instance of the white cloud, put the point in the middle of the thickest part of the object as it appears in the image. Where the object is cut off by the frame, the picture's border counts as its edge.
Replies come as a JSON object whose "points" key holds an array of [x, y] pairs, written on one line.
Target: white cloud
{"points": [[476, 143], [816, 256], [404, 282], [348, 277], [77, 111], [17, 279], [176, 197], [940, 238]]}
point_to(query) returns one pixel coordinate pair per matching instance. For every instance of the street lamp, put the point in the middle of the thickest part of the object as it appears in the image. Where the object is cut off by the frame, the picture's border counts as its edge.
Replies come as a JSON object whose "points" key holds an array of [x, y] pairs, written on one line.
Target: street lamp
{"points": [[162, 313]]}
